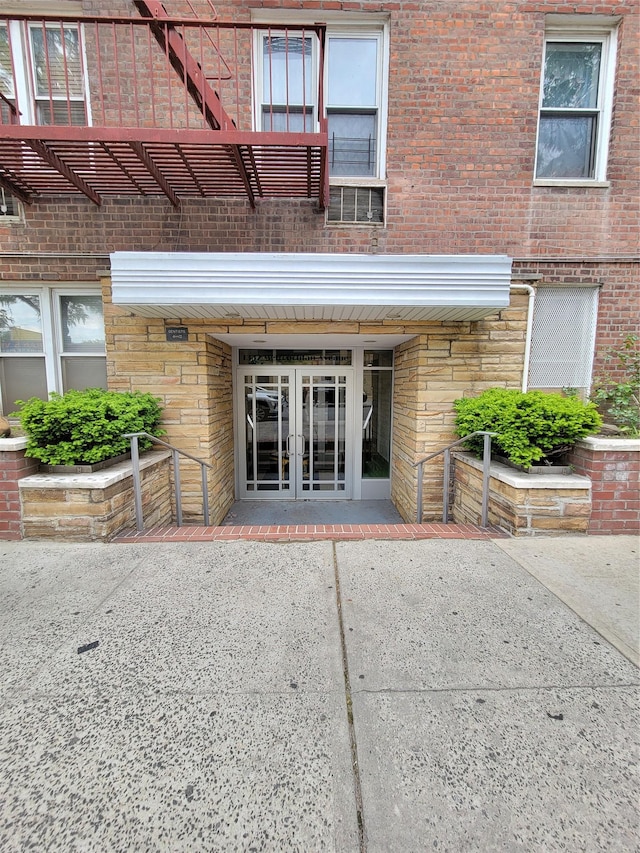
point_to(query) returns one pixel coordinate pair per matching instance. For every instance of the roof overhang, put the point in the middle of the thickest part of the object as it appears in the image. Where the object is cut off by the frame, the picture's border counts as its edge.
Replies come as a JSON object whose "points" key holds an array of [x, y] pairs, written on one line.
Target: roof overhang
{"points": [[306, 286]]}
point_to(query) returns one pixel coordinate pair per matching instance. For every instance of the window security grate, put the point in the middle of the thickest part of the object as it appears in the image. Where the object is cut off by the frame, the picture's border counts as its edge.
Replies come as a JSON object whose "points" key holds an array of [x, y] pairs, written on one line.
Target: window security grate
{"points": [[563, 337]]}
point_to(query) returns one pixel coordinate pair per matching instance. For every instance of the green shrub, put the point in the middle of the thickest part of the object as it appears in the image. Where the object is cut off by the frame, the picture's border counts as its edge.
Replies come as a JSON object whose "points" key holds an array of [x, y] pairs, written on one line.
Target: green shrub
{"points": [[530, 427], [617, 395], [84, 427]]}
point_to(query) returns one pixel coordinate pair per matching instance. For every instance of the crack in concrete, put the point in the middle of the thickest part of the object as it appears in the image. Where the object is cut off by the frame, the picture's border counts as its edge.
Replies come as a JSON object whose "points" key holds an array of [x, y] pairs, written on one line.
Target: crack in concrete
{"points": [[347, 690]]}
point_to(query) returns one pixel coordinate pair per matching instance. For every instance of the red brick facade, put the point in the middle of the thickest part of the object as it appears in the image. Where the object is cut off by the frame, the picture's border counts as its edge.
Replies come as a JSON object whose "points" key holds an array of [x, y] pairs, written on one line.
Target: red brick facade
{"points": [[615, 487], [14, 465], [464, 81], [463, 94]]}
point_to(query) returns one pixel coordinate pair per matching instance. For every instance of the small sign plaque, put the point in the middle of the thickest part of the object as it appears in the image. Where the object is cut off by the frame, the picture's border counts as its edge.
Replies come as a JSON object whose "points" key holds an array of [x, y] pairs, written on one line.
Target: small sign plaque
{"points": [[177, 333]]}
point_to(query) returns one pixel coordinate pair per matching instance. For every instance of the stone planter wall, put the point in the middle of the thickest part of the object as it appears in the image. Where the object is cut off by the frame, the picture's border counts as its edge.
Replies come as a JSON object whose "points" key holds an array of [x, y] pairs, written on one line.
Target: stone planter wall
{"points": [[87, 507], [14, 465], [613, 465], [522, 504]]}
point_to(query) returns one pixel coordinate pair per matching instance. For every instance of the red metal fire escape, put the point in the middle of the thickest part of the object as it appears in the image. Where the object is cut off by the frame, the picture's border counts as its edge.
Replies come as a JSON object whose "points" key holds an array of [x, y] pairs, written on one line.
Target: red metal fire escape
{"points": [[155, 105]]}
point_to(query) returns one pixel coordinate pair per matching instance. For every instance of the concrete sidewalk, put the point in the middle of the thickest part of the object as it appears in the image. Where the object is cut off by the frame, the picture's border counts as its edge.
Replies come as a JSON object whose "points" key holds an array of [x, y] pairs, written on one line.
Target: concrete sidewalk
{"points": [[350, 696]]}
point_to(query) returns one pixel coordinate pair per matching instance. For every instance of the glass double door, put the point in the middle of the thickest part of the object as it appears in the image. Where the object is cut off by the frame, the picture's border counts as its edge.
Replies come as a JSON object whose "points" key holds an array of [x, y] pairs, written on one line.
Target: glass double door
{"points": [[295, 425]]}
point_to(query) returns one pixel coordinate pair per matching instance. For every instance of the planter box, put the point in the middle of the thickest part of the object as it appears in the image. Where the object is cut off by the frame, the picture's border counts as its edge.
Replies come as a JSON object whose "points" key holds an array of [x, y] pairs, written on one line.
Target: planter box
{"points": [[84, 469], [14, 465], [97, 506], [613, 466], [522, 504], [534, 469]]}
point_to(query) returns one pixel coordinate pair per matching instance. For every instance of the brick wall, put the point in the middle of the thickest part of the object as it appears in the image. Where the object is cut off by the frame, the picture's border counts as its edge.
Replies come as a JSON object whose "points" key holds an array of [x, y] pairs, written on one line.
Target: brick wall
{"points": [[615, 478], [463, 99], [14, 465]]}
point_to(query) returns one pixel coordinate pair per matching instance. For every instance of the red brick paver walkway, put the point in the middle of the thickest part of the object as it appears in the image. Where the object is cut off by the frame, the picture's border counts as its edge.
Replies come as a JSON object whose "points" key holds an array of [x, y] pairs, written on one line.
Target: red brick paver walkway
{"points": [[311, 532]]}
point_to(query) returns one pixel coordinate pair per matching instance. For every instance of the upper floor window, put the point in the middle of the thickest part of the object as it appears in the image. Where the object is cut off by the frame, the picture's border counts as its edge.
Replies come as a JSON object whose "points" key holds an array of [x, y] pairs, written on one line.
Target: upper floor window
{"points": [[42, 73], [288, 71], [575, 105]]}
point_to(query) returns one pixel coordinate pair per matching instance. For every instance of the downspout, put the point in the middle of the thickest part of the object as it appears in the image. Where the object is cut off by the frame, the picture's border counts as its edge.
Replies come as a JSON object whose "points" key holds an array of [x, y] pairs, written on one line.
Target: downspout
{"points": [[527, 344]]}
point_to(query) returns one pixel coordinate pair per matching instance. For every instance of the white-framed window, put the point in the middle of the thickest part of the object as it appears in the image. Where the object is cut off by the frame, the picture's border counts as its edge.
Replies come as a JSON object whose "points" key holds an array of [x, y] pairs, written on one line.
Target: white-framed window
{"points": [[43, 73], [563, 337], [51, 339], [355, 87], [576, 98]]}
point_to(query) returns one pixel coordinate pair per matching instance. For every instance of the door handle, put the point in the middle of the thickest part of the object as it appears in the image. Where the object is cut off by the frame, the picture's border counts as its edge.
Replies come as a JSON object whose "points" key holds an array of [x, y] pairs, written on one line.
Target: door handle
{"points": [[304, 444], [288, 446]]}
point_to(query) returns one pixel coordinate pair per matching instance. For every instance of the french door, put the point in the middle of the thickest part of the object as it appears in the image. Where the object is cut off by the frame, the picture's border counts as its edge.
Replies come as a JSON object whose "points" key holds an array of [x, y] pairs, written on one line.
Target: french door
{"points": [[295, 428]]}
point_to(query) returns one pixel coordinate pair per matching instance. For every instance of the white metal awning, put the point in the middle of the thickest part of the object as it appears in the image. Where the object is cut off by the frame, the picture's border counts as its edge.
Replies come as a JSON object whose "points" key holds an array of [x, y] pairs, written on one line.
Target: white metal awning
{"points": [[306, 286]]}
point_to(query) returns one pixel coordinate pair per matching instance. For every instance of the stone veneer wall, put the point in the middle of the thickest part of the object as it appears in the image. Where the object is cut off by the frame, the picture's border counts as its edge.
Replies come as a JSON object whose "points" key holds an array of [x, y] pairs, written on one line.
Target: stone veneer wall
{"points": [[14, 465], [193, 380], [443, 363], [613, 465], [87, 507], [522, 504]]}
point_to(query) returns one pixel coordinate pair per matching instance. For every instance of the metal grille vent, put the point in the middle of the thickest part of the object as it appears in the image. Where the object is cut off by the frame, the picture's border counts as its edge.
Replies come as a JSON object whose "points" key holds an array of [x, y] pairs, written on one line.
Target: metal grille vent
{"points": [[361, 205], [563, 337]]}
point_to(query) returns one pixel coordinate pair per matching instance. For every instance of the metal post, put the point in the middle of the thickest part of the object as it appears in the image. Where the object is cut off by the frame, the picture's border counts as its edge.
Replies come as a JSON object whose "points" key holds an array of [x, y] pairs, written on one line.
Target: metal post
{"points": [[419, 498], [176, 483], [205, 495], [445, 491], [486, 470], [137, 490]]}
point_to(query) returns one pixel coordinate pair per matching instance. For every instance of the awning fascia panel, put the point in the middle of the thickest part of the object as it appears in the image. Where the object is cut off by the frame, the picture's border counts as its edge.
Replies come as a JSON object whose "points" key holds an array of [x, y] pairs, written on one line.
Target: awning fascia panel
{"points": [[310, 286]]}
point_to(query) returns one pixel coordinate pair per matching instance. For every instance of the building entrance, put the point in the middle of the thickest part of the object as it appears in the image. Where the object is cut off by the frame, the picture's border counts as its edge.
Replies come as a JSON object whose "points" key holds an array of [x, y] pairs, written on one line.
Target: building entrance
{"points": [[296, 431]]}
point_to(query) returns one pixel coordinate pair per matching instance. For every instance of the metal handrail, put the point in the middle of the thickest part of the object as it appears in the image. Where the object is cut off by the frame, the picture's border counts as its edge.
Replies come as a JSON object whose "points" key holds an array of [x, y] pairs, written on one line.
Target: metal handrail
{"points": [[176, 453], [486, 460]]}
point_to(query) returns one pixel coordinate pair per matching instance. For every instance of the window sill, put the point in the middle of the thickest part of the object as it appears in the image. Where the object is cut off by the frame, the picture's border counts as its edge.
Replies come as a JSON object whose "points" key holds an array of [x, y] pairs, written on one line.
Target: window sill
{"points": [[569, 182], [361, 181]]}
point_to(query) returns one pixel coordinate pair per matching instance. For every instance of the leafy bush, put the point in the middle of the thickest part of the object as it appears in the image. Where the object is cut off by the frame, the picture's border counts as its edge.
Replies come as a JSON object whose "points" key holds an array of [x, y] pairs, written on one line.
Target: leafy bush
{"points": [[530, 427], [84, 427], [619, 398]]}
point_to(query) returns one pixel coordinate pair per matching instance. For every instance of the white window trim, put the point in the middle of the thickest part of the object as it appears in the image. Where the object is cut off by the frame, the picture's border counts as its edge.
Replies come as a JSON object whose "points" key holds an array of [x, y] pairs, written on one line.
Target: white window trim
{"points": [[340, 24], [582, 28], [258, 81], [23, 67], [50, 318]]}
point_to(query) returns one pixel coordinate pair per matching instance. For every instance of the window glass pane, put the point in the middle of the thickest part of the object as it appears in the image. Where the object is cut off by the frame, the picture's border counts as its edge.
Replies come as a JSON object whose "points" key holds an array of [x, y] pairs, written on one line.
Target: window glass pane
{"points": [[56, 61], [82, 324], [566, 146], [571, 73], [6, 71], [21, 378], [352, 143], [293, 120], [378, 358], [287, 74], [376, 424], [81, 373], [353, 72], [20, 323]]}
